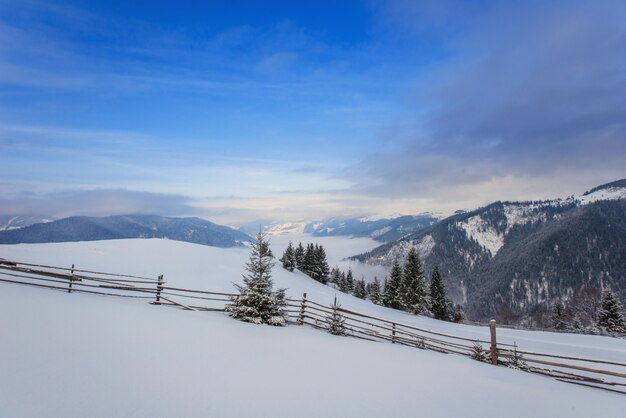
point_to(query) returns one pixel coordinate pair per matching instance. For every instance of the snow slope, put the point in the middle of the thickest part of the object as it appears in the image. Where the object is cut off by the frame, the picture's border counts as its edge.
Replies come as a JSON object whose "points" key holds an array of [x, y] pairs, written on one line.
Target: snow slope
{"points": [[76, 355]]}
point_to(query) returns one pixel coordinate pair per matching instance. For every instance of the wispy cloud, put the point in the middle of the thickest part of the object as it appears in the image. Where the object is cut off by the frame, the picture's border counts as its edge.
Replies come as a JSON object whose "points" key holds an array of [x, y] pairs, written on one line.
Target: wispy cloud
{"points": [[535, 98], [103, 202]]}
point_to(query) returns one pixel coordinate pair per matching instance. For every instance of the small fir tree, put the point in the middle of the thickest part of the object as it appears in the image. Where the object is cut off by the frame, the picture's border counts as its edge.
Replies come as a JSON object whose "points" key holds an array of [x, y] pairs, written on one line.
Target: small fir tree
{"points": [[299, 254], [257, 302], [611, 316], [392, 297], [558, 317], [320, 269], [289, 258], [478, 353], [438, 302], [375, 292], [349, 281], [335, 276], [335, 321], [458, 314], [517, 361], [359, 289], [308, 263], [343, 283], [412, 290]]}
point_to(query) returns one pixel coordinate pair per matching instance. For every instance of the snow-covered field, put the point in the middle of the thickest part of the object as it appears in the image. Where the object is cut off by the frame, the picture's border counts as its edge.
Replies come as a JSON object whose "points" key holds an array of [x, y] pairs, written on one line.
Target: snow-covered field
{"points": [[77, 355]]}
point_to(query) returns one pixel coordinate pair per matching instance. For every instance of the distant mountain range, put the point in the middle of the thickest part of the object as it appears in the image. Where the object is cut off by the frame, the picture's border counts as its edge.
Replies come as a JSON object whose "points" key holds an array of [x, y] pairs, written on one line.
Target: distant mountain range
{"points": [[19, 221], [522, 257], [383, 229], [83, 228]]}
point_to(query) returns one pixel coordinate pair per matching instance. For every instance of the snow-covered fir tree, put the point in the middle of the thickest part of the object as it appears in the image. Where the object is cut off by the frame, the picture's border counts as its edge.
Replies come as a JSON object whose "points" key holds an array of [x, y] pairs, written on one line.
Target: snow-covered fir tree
{"points": [[375, 294], [335, 321], [458, 314], [349, 281], [257, 302], [299, 255], [516, 361], [308, 262], [478, 353], [289, 258], [439, 305], [359, 289], [320, 266], [335, 276], [392, 298], [558, 317], [611, 314], [412, 289], [343, 283]]}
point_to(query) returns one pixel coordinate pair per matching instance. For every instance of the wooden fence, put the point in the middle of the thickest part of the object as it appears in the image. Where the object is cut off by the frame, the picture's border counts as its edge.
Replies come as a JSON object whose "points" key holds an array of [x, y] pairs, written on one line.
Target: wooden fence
{"points": [[581, 371], [156, 291]]}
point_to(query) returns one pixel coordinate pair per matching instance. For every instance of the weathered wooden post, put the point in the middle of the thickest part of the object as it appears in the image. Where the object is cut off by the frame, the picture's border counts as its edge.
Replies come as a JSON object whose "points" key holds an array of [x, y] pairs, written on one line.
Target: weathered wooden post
{"points": [[71, 279], [494, 344], [302, 309], [393, 332], [159, 288]]}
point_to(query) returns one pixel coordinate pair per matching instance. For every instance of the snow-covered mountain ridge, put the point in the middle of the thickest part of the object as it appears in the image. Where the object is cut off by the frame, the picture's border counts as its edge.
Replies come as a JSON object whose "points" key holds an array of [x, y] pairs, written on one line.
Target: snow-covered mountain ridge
{"points": [[383, 228], [524, 255]]}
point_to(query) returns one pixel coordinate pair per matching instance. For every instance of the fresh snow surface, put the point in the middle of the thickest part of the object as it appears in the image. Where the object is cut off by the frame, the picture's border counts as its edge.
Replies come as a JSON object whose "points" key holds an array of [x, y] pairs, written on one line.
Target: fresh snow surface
{"points": [[476, 228], [76, 355], [374, 218], [611, 193]]}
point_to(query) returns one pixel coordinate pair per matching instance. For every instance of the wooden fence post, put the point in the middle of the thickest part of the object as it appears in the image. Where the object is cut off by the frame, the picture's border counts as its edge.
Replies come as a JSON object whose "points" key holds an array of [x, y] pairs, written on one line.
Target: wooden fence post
{"points": [[393, 332], [494, 344], [71, 279], [159, 288], [302, 309]]}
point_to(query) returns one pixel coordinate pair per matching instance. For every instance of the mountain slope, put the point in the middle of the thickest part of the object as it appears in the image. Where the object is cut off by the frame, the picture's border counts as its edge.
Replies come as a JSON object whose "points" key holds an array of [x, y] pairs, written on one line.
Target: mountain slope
{"points": [[514, 260], [161, 362], [381, 229], [8, 222], [83, 228]]}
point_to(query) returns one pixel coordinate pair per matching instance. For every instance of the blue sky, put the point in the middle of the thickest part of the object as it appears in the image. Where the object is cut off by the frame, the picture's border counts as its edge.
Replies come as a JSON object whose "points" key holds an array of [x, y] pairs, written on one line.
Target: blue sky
{"points": [[238, 111]]}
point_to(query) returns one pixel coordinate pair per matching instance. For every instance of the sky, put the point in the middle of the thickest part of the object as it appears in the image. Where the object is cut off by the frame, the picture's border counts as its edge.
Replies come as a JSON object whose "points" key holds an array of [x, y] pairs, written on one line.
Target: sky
{"points": [[278, 110]]}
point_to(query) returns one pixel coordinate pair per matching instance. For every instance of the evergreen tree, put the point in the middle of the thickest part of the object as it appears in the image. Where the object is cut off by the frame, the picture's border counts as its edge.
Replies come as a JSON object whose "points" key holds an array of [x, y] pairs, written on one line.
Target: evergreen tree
{"points": [[299, 254], [257, 302], [438, 301], [335, 322], [349, 281], [478, 353], [391, 297], [289, 258], [335, 276], [359, 289], [611, 316], [308, 262], [558, 317], [412, 290], [320, 265], [343, 283], [375, 292], [458, 314], [517, 360]]}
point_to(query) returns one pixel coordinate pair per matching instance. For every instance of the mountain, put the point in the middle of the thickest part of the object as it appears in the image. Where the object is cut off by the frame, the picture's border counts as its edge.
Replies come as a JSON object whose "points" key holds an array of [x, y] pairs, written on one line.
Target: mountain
{"points": [[19, 221], [83, 228], [383, 229], [514, 260]]}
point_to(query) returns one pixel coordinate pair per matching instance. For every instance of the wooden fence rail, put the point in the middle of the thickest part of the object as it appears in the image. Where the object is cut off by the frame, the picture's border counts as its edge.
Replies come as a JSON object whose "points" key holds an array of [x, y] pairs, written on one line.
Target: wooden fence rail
{"points": [[577, 370]]}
